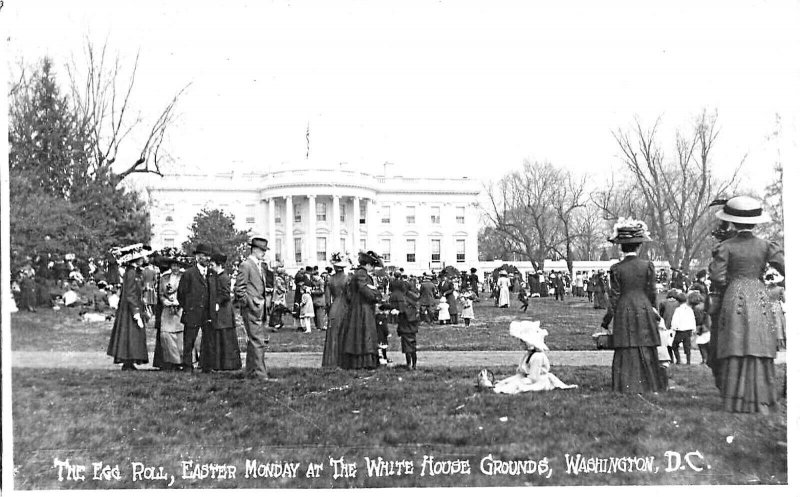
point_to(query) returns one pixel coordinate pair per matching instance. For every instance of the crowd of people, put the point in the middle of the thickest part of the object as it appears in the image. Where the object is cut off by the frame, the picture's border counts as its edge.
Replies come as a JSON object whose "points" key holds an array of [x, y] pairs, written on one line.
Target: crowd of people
{"points": [[734, 310], [744, 325]]}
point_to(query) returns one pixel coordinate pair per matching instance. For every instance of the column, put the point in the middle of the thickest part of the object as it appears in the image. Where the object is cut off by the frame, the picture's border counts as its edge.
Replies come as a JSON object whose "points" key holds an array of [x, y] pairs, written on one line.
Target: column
{"points": [[356, 227], [448, 241], [372, 225], [337, 228], [271, 227], [288, 237], [311, 230]]}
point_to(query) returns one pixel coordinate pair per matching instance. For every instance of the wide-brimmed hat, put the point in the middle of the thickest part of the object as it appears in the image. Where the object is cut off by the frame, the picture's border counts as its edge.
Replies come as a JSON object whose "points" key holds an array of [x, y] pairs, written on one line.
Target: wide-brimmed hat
{"points": [[339, 259], [259, 241], [530, 333], [743, 210], [370, 257], [124, 255], [203, 248], [503, 272], [630, 231]]}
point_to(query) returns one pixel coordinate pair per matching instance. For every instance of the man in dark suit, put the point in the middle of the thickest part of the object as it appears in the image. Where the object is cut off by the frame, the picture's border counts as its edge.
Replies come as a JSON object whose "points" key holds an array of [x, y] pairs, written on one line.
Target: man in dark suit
{"points": [[255, 297], [193, 298], [427, 299]]}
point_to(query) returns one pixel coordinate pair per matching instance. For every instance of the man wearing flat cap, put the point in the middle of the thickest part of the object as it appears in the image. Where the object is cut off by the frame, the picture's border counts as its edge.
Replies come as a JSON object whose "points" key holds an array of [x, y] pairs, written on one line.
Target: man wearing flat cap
{"points": [[193, 299], [255, 296]]}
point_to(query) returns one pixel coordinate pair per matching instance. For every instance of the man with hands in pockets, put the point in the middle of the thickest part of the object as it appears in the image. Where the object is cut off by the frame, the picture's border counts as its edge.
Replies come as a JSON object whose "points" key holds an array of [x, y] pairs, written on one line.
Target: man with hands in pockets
{"points": [[255, 297]]}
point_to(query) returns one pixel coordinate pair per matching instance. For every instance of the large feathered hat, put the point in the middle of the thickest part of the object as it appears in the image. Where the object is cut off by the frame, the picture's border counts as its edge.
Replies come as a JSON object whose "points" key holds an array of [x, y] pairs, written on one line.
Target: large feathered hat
{"points": [[743, 210], [340, 259], [629, 230], [124, 255], [369, 257]]}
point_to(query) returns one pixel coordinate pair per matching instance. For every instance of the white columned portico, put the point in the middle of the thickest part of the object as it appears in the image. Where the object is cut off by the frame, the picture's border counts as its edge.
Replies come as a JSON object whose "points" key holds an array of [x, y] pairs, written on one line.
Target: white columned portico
{"points": [[311, 232], [355, 235], [337, 228], [271, 226], [288, 237]]}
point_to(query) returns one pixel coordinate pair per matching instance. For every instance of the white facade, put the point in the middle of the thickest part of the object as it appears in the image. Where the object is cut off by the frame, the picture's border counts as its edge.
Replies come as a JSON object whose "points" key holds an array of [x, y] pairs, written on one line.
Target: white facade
{"points": [[307, 212]]}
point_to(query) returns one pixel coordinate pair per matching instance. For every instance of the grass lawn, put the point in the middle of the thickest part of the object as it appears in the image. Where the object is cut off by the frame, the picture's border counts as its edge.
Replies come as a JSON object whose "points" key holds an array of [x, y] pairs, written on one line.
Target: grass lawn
{"points": [[313, 416], [570, 323]]}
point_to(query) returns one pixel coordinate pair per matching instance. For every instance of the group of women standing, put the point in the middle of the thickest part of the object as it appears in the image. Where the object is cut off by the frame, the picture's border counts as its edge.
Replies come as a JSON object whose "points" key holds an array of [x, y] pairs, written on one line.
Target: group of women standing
{"points": [[745, 338], [219, 349]]}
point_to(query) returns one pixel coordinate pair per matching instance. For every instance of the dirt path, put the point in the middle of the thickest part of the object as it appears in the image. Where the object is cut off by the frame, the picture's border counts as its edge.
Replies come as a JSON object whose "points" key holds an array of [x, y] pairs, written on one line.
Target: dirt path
{"points": [[473, 358]]}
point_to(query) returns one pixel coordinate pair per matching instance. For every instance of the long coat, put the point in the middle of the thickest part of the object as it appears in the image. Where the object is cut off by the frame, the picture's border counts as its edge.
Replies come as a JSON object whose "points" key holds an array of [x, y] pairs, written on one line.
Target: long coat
{"points": [[250, 288], [193, 297], [632, 296], [219, 293], [427, 293], [747, 324], [128, 341], [448, 292], [337, 312], [359, 330]]}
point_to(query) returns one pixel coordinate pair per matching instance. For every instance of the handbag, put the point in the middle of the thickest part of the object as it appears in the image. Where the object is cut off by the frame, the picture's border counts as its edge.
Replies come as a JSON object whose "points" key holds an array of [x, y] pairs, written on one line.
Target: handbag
{"points": [[485, 379], [603, 341]]}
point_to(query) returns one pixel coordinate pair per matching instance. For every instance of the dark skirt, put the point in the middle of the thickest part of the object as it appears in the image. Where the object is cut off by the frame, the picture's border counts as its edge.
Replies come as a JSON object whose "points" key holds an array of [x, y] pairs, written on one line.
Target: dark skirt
{"points": [[748, 384], [637, 370], [408, 343], [359, 361], [333, 336], [219, 350]]}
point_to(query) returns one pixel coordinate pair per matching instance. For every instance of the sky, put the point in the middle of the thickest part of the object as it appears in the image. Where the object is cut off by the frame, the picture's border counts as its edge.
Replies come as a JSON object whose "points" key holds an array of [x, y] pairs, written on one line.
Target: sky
{"points": [[440, 88]]}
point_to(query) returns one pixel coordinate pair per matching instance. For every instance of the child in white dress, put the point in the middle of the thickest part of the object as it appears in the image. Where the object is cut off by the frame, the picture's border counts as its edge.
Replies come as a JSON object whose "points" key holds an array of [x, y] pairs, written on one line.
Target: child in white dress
{"points": [[444, 311], [467, 313], [306, 310], [533, 373]]}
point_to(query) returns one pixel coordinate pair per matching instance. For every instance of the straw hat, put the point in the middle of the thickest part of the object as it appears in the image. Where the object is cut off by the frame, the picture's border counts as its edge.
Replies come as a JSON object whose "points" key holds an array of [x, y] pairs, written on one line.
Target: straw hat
{"points": [[743, 210]]}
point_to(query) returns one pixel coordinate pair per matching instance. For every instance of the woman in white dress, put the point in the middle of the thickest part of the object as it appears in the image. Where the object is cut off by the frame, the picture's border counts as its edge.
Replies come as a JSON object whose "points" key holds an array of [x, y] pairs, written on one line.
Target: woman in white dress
{"points": [[533, 373], [503, 285]]}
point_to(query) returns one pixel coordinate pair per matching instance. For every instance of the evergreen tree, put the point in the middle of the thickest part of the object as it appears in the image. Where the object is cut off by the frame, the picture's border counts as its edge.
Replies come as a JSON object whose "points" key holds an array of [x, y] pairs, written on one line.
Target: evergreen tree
{"points": [[216, 228]]}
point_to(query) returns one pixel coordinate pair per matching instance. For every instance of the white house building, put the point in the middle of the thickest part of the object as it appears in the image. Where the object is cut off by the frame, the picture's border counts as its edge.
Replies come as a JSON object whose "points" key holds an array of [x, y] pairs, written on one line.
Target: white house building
{"points": [[308, 211]]}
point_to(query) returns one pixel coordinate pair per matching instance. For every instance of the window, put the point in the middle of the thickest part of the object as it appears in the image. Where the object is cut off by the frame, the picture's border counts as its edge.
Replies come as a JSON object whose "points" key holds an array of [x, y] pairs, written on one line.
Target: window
{"points": [[362, 213], [169, 207], [278, 210], [436, 250], [461, 249], [322, 249], [343, 244], [386, 214], [460, 215], [322, 212], [362, 244], [386, 250], [411, 216], [298, 250], [250, 220], [411, 250], [169, 219], [436, 214], [278, 248], [250, 217], [342, 209], [298, 217], [169, 242]]}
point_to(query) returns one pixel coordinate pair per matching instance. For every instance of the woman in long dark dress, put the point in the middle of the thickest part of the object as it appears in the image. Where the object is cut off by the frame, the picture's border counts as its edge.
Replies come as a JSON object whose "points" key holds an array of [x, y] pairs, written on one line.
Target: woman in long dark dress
{"points": [[359, 346], [336, 303], [219, 350], [128, 344], [632, 299], [746, 344]]}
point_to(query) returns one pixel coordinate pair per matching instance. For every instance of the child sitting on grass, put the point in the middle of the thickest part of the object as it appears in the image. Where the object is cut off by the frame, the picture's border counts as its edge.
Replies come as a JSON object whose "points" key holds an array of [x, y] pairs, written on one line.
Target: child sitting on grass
{"points": [[444, 311], [523, 297]]}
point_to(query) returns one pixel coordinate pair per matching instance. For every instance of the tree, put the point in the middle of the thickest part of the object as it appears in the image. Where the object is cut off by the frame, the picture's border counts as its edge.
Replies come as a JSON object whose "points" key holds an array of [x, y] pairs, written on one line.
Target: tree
{"points": [[494, 245], [217, 228], [530, 207], [676, 193], [52, 193], [104, 108]]}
